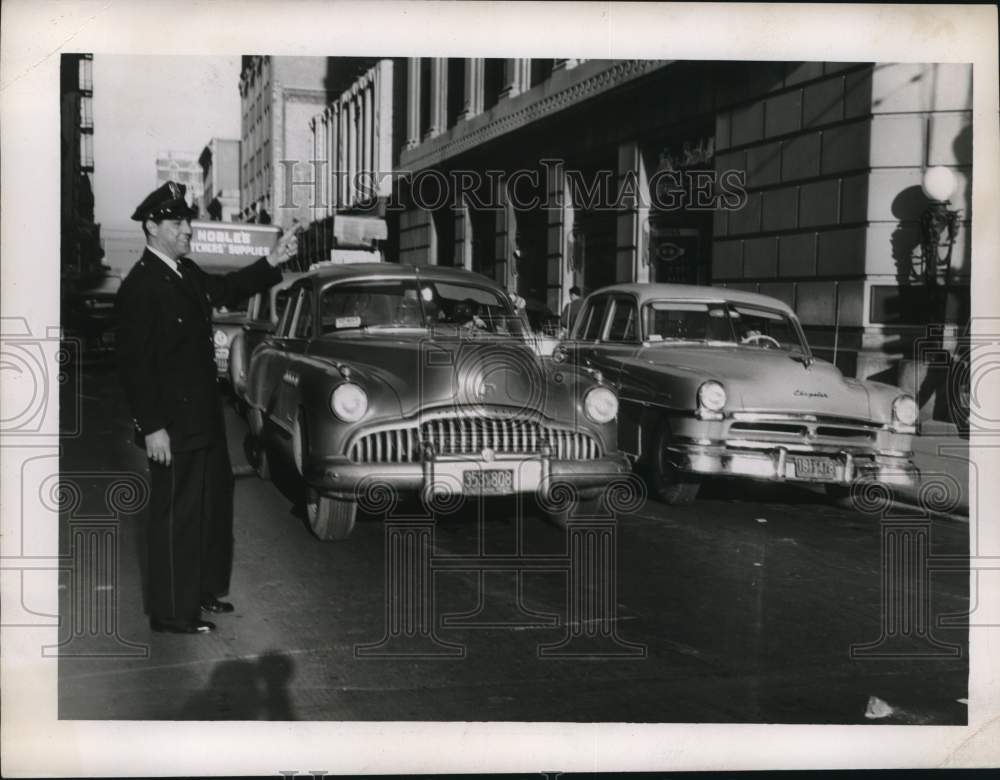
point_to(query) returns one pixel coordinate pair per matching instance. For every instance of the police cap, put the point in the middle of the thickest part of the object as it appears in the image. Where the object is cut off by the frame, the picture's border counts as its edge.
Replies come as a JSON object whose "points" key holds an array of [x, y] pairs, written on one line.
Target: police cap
{"points": [[167, 202]]}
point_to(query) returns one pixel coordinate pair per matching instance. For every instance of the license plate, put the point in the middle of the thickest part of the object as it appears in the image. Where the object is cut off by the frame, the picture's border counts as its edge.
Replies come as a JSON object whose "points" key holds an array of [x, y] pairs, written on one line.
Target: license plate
{"points": [[815, 468], [488, 482]]}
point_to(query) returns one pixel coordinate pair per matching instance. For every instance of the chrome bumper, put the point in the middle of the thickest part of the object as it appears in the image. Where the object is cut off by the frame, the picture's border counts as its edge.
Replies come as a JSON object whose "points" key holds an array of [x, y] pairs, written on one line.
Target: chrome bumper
{"points": [[347, 479], [778, 464]]}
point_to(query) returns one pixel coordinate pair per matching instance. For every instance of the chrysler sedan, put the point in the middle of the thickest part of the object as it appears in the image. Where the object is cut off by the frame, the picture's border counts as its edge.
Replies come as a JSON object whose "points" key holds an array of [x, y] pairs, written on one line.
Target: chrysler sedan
{"points": [[720, 382], [383, 379]]}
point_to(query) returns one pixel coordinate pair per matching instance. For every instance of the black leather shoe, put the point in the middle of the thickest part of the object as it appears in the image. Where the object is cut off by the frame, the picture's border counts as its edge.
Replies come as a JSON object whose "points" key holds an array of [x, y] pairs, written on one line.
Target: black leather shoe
{"points": [[181, 626], [215, 606]]}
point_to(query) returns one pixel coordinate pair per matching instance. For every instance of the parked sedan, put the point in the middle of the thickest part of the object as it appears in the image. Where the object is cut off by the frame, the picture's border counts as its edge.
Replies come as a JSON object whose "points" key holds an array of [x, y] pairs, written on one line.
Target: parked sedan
{"points": [[385, 378], [260, 319], [719, 382], [89, 313]]}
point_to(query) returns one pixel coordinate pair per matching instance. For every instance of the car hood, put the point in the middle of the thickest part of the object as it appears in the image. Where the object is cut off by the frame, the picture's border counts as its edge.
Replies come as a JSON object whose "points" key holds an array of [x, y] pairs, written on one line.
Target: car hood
{"points": [[766, 380], [426, 372]]}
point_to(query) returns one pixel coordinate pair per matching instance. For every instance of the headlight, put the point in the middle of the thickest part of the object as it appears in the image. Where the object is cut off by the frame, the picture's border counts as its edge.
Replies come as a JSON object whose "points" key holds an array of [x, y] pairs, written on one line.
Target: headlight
{"points": [[349, 402], [711, 397], [601, 405], [904, 410], [220, 338]]}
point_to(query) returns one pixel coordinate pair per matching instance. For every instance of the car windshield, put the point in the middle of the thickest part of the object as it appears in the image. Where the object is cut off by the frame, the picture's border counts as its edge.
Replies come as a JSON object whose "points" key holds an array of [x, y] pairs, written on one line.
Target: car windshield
{"points": [[412, 303], [723, 324]]}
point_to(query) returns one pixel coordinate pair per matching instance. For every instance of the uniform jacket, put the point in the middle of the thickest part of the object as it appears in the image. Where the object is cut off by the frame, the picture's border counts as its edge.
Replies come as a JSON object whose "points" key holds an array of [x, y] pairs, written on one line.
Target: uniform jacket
{"points": [[166, 355]]}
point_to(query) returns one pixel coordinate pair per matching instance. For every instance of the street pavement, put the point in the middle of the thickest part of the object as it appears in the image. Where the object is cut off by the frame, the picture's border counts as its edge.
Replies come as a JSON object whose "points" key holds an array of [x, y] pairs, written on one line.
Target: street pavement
{"points": [[743, 607], [942, 455]]}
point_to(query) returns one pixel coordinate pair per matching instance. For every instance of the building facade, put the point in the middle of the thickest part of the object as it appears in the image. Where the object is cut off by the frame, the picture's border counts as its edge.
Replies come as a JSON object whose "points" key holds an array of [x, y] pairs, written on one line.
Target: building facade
{"points": [[278, 97], [800, 180], [80, 237], [183, 168], [355, 153], [220, 172]]}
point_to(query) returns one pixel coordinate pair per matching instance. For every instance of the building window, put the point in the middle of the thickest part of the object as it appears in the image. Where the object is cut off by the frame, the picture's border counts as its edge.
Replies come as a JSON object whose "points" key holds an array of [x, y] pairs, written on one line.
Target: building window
{"points": [[86, 112], [493, 69], [918, 304], [540, 71], [456, 89], [86, 151]]}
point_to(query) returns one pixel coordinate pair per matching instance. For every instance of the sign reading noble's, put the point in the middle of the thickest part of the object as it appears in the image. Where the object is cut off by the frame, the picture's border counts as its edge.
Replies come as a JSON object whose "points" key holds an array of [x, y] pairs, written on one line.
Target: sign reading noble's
{"points": [[225, 243]]}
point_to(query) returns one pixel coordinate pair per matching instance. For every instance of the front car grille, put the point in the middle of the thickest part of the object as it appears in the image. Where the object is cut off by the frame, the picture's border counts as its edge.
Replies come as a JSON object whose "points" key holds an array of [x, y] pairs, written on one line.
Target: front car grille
{"points": [[811, 432], [470, 435]]}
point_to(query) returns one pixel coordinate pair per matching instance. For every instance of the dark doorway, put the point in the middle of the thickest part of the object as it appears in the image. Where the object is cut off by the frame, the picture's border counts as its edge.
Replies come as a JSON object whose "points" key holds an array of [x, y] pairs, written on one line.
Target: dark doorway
{"points": [[484, 235], [444, 236]]}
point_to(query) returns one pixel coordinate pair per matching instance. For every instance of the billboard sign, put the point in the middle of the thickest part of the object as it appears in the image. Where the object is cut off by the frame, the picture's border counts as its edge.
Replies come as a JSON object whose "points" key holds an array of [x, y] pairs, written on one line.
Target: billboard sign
{"points": [[230, 244]]}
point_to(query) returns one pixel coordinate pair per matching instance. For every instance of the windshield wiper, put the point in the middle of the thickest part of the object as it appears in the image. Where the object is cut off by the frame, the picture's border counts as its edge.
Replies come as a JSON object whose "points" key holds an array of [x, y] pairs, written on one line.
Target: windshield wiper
{"points": [[799, 357]]}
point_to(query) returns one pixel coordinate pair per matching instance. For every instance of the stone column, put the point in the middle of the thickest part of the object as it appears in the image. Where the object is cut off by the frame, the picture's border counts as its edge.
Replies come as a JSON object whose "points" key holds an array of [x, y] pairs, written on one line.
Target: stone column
{"points": [[412, 102], [384, 141], [366, 129], [473, 88], [352, 147], [524, 75], [559, 207], [331, 125], [465, 217], [632, 255], [505, 272], [511, 78], [439, 97], [341, 154]]}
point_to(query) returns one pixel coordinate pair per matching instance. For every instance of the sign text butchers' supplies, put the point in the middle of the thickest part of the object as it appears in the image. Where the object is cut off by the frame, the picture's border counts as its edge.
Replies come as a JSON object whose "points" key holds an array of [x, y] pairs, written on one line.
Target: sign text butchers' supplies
{"points": [[222, 242]]}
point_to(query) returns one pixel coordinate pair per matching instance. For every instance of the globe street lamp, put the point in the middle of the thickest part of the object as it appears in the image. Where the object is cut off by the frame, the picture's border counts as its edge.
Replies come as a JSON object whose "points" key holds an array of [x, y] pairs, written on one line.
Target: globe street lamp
{"points": [[938, 227]]}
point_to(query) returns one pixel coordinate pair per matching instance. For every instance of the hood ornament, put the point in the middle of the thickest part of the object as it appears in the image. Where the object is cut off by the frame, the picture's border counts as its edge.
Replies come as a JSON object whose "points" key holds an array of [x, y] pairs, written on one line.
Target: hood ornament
{"points": [[482, 390]]}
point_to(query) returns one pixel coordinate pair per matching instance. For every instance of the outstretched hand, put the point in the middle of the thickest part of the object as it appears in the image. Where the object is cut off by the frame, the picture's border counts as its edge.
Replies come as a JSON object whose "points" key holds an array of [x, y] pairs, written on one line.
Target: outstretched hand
{"points": [[286, 248]]}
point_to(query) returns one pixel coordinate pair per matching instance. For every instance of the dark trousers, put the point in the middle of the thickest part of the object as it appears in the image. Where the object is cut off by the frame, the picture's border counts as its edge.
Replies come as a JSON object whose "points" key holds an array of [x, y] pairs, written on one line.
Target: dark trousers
{"points": [[190, 535]]}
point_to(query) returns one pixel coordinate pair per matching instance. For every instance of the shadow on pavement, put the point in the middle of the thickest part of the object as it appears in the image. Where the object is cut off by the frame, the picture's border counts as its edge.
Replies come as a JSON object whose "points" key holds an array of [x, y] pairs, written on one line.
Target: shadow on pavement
{"points": [[245, 689]]}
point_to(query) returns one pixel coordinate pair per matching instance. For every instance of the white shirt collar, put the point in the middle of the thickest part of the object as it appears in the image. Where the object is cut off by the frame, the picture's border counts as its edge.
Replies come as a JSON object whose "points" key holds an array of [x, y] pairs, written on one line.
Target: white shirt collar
{"points": [[171, 263]]}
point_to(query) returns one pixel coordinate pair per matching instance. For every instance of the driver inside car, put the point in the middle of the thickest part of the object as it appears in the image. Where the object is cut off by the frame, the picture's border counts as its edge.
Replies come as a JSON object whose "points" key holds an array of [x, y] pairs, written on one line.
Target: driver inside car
{"points": [[467, 315]]}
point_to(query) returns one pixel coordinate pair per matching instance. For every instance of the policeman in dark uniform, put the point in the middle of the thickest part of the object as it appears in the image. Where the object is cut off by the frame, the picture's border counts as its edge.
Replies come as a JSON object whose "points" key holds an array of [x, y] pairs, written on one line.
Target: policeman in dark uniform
{"points": [[166, 360]]}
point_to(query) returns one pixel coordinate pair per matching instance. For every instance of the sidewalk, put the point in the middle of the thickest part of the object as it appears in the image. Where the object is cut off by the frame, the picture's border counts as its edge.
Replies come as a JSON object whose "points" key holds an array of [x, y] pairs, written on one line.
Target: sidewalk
{"points": [[943, 459]]}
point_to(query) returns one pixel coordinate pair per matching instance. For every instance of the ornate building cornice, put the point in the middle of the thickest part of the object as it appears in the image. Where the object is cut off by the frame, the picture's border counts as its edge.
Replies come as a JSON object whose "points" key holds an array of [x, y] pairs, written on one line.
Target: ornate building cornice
{"points": [[521, 110]]}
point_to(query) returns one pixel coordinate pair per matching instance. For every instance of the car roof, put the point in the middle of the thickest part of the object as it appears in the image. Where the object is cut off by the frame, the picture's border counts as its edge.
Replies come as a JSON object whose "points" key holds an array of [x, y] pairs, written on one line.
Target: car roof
{"points": [[692, 292], [288, 279], [327, 273]]}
